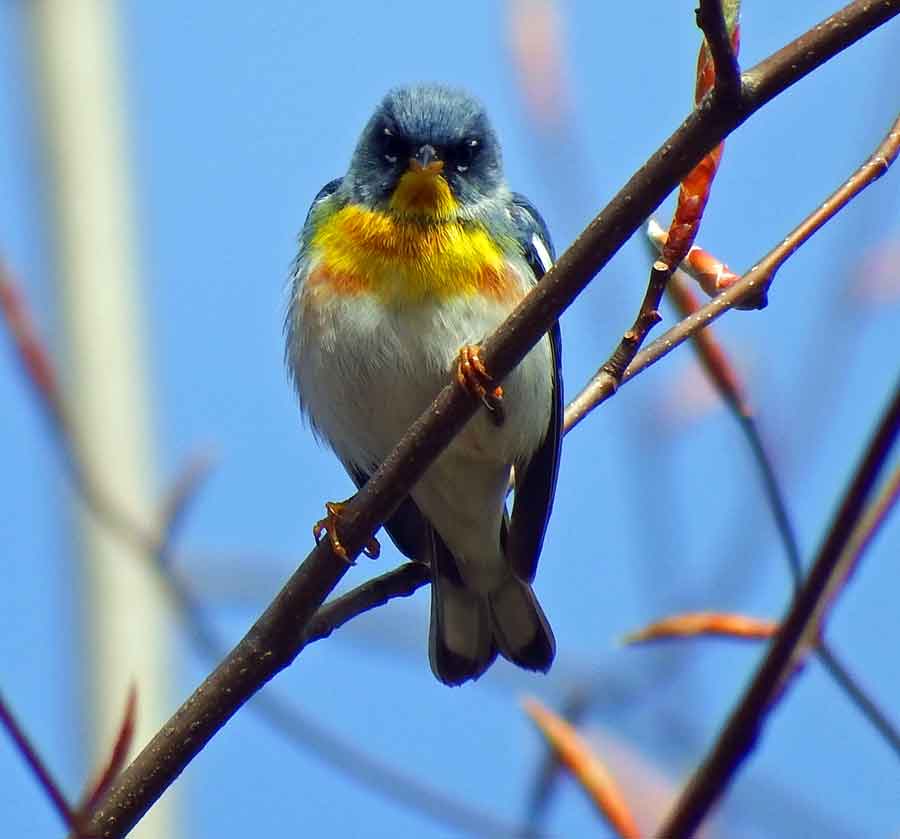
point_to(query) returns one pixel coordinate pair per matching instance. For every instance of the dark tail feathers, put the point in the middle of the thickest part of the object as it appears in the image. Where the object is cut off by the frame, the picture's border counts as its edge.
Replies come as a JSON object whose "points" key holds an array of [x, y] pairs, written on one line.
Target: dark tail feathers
{"points": [[468, 629]]}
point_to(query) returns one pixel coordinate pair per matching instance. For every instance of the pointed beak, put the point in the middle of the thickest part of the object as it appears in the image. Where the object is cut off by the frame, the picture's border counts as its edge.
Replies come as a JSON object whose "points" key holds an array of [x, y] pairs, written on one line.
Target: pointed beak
{"points": [[426, 160]]}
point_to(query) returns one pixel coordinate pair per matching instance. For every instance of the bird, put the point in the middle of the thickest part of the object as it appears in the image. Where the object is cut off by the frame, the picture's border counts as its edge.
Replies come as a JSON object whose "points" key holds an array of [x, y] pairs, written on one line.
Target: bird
{"points": [[404, 265]]}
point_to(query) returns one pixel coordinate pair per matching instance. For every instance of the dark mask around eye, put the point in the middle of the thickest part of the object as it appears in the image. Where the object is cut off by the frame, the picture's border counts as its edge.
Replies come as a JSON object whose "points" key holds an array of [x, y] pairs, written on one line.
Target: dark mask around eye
{"points": [[393, 149], [463, 155]]}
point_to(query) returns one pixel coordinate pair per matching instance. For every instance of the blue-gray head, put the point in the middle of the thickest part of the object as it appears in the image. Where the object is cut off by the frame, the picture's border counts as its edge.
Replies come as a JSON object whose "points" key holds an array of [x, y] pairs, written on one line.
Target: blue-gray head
{"points": [[435, 144]]}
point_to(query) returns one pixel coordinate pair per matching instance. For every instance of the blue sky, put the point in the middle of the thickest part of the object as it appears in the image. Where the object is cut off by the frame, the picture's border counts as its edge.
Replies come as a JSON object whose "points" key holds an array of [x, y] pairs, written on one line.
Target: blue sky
{"points": [[238, 114]]}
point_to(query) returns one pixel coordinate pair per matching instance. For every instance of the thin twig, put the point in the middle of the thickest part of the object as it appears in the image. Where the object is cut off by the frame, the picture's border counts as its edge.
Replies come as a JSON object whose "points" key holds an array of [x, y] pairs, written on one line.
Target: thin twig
{"points": [[114, 763], [714, 359], [877, 514], [274, 640], [721, 373], [752, 285], [183, 493], [723, 376], [873, 713], [693, 195], [404, 787], [38, 769], [711, 19], [647, 317], [399, 582], [573, 708], [774, 497], [878, 163], [744, 726], [862, 537], [574, 752]]}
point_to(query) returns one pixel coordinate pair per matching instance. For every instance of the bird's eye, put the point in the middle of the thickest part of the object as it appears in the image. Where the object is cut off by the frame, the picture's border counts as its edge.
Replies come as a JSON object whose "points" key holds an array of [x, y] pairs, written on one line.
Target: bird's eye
{"points": [[391, 147], [465, 154]]}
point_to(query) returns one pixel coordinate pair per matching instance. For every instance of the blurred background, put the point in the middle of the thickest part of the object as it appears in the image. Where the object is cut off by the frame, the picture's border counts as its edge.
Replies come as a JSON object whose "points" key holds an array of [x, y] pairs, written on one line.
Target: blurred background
{"points": [[156, 163]]}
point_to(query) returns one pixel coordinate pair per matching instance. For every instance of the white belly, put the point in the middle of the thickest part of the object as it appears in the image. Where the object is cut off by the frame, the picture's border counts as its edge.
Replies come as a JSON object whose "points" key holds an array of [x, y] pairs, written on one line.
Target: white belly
{"points": [[365, 371]]}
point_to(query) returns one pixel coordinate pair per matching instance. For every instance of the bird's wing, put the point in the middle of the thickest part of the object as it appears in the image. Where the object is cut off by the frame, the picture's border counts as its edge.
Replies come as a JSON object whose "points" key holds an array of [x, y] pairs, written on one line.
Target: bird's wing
{"points": [[299, 268], [533, 235], [307, 230], [325, 192], [535, 483]]}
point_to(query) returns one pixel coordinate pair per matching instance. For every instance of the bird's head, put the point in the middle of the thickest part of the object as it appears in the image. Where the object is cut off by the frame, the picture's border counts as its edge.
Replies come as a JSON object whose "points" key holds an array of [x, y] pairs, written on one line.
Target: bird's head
{"points": [[427, 151]]}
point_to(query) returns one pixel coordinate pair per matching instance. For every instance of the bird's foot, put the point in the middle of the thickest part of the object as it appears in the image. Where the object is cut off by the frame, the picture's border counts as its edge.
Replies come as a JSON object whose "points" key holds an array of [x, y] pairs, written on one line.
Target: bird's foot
{"points": [[329, 525], [474, 377]]}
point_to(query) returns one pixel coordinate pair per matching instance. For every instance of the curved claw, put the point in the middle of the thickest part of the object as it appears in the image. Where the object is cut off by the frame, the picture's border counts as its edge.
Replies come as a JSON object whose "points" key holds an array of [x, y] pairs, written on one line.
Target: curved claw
{"points": [[329, 525], [474, 377]]}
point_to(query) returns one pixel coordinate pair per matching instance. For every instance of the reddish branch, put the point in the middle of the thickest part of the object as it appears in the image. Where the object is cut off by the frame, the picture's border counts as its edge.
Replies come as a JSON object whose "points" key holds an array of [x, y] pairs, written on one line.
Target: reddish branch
{"points": [[717, 68], [37, 767], [114, 763], [716, 363], [31, 354], [578, 756], [709, 272], [718, 55], [74, 819]]}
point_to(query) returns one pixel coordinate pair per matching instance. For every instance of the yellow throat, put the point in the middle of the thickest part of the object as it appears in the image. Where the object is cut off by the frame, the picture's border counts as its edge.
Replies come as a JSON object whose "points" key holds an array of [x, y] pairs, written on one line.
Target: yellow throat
{"points": [[416, 250], [424, 191]]}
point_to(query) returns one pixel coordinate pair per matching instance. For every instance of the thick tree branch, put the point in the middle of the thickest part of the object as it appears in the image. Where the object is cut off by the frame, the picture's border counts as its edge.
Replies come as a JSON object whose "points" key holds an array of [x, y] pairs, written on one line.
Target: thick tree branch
{"points": [[275, 639]]}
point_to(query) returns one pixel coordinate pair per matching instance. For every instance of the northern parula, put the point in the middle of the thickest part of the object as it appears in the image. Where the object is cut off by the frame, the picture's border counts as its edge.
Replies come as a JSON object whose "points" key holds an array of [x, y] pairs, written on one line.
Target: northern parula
{"points": [[405, 263]]}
